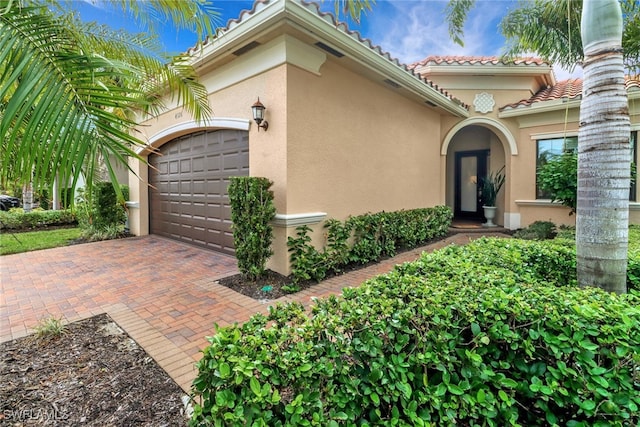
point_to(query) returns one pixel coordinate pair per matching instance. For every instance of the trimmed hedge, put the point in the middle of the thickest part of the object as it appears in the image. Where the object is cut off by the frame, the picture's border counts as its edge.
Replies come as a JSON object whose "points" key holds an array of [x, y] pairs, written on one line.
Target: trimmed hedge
{"points": [[252, 210], [458, 337], [365, 238], [17, 219]]}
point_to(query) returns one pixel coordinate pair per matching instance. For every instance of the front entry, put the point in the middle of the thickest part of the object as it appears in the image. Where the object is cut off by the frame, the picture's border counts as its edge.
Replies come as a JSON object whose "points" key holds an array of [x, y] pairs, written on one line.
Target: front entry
{"points": [[470, 167]]}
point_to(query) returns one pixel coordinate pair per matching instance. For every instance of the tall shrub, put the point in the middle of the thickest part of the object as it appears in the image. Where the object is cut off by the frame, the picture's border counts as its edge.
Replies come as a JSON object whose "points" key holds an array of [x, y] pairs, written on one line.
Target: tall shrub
{"points": [[252, 209], [107, 211]]}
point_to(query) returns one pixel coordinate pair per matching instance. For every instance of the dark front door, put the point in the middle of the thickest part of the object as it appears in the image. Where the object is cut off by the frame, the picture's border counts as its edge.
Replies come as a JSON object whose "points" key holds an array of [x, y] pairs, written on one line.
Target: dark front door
{"points": [[470, 167]]}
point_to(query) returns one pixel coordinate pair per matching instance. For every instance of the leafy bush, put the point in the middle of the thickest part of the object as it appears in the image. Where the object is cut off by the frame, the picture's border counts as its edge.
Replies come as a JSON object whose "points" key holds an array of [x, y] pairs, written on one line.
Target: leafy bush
{"points": [[633, 267], [431, 344], [18, 219], [252, 210], [100, 214], [306, 262], [365, 238], [539, 230], [107, 211], [559, 179]]}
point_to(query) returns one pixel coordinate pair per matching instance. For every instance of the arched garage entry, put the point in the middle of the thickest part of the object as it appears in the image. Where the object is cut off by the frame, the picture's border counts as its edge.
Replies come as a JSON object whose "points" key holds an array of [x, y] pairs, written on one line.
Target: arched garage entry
{"points": [[189, 177]]}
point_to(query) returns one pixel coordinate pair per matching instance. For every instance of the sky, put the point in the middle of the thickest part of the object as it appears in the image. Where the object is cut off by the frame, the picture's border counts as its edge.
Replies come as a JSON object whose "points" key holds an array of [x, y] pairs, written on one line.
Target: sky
{"points": [[409, 30]]}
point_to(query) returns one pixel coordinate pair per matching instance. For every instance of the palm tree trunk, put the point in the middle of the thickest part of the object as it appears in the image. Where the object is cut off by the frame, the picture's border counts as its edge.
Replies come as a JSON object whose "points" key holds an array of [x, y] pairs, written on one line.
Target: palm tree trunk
{"points": [[602, 221]]}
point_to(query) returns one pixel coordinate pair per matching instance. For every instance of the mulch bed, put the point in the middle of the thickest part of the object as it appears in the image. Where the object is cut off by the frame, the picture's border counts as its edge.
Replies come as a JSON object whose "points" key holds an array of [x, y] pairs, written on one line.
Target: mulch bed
{"points": [[274, 285], [93, 374]]}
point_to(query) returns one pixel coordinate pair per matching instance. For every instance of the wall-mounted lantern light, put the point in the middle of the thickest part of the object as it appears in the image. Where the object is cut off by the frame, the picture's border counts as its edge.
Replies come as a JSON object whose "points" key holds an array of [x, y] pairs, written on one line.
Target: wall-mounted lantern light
{"points": [[258, 115]]}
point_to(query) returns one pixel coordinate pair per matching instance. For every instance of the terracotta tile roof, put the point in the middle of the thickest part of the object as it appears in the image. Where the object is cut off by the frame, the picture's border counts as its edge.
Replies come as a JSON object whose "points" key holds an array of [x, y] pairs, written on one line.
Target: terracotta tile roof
{"points": [[330, 18], [476, 60], [565, 89]]}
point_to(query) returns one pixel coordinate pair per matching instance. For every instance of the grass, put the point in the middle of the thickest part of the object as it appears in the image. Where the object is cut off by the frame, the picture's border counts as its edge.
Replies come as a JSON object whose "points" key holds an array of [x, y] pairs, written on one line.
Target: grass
{"points": [[13, 243], [50, 327]]}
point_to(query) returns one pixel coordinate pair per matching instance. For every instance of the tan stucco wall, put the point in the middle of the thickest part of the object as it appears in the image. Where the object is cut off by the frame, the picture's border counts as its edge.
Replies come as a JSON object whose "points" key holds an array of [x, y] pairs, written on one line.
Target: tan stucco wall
{"points": [[378, 150], [356, 146]]}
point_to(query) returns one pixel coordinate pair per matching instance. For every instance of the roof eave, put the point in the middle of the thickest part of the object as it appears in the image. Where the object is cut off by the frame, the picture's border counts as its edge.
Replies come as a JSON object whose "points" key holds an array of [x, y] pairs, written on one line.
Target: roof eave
{"points": [[541, 107], [267, 16]]}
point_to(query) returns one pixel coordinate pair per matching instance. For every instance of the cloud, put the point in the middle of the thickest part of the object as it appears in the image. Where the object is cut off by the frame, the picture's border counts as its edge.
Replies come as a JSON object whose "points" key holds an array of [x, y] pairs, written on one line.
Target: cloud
{"points": [[564, 74], [412, 30]]}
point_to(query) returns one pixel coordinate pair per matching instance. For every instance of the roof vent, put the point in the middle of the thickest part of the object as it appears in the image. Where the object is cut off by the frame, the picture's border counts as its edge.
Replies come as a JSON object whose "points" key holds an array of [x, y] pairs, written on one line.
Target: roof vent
{"points": [[329, 49], [246, 48], [392, 83]]}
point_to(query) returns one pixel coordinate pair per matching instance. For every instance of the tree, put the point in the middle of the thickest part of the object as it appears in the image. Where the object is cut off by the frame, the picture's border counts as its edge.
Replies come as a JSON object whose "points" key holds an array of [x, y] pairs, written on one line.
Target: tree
{"points": [[603, 141], [602, 221], [552, 30], [71, 90]]}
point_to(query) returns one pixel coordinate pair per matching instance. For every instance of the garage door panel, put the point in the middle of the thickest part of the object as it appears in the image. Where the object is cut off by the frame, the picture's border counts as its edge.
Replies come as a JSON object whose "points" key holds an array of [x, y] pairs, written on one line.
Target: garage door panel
{"points": [[191, 179]]}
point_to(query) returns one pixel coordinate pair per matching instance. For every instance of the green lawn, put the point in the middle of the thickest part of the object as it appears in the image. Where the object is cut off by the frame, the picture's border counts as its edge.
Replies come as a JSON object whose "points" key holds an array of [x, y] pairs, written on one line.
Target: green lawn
{"points": [[13, 243]]}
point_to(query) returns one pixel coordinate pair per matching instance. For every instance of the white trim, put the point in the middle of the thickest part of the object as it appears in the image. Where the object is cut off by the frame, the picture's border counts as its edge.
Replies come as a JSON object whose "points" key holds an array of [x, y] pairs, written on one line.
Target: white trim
{"points": [[135, 205], [485, 122], [540, 107], [634, 206], [553, 135], [295, 220], [283, 49], [512, 220], [192, 125], [540, 202]]}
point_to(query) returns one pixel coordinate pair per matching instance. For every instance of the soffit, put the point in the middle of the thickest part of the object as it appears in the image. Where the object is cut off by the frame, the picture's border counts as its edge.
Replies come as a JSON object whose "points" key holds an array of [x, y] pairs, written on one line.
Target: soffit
{"points": [[269, 19]]}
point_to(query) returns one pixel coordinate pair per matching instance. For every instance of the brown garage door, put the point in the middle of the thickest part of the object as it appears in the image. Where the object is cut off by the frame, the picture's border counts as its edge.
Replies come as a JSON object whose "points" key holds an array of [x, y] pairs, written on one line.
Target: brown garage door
{"points": [[189, 178]]}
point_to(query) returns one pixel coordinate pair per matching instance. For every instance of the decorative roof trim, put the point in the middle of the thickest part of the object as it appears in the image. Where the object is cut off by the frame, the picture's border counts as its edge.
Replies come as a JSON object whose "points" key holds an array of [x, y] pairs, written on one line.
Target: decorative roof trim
{"points": [[540, 107], [308, 18]]}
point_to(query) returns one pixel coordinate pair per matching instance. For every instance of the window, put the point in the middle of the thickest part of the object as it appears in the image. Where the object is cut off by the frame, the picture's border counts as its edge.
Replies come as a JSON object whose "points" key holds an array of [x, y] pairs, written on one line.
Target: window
{"points": [[550, 148]]}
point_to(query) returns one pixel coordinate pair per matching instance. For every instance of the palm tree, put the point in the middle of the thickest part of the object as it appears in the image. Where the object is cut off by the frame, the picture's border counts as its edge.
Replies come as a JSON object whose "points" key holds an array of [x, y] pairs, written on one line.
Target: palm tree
{"points": [[550, 28], [71, 90], [602, 221]]}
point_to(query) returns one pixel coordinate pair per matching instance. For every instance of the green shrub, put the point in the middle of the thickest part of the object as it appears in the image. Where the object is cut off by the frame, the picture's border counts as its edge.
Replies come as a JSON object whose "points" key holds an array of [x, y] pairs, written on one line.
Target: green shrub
{"points": [[539, 230], [108, 212], [633, 267], [365, 238], [252, 210], [306, 262], [558, 178], [17, 219], [521, 261], [433, 346]]}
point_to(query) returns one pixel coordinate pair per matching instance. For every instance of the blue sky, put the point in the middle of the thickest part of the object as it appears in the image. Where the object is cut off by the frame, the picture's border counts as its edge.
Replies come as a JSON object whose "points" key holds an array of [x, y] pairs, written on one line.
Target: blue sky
{"points": [[408, 29]]}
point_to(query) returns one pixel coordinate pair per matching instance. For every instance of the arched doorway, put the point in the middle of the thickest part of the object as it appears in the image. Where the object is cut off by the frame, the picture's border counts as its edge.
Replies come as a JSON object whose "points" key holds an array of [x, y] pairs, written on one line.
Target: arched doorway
{"points": [[473, 149]]}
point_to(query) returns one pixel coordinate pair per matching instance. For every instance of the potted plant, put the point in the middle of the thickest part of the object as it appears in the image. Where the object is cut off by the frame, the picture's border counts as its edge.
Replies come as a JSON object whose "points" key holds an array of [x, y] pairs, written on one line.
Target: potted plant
{"points": [[491, 186]]}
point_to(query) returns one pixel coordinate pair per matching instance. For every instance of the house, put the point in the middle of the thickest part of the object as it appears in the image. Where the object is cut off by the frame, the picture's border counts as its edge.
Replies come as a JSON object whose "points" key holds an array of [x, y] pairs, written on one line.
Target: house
{"points": [[350, 130]]}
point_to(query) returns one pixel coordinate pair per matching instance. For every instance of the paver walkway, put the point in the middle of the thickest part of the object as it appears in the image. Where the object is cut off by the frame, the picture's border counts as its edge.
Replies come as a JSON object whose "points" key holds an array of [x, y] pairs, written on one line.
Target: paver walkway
{"points": [[161, 292]]}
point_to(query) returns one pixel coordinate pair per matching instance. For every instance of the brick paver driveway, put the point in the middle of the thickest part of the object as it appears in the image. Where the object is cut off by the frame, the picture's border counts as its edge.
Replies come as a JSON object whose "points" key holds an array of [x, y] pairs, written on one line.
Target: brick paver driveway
{"points": [[162, 293]]}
